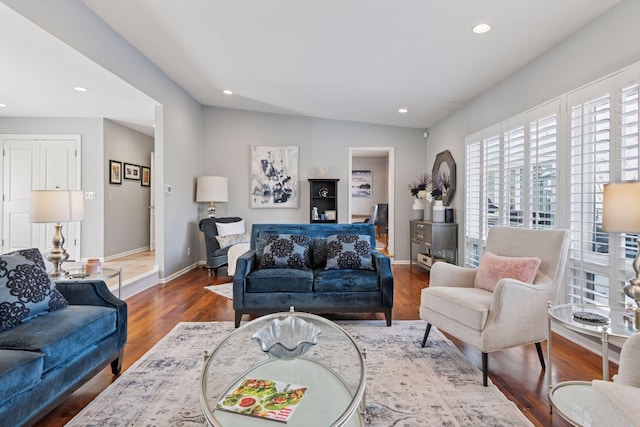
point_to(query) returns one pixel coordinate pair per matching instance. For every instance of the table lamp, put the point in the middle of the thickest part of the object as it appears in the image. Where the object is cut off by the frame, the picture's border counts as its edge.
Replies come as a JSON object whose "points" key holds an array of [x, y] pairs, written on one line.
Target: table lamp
{"points": [[212, 189], [56, 206], [621, 214]]}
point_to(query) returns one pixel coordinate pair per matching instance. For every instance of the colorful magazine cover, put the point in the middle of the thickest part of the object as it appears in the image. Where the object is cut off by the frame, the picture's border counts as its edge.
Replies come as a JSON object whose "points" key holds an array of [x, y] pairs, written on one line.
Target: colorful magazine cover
{"points": [[273, 400]]}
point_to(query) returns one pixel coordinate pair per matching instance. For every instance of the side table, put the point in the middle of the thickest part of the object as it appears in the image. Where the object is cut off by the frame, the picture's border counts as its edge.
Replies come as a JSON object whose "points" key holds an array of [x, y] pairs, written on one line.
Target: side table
{"points": [[571, 398], [106, 273]]}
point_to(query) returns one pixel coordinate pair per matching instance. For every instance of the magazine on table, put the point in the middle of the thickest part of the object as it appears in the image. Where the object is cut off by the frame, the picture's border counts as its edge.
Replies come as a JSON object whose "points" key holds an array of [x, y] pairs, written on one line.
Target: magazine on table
{"points": [[273, 400]]}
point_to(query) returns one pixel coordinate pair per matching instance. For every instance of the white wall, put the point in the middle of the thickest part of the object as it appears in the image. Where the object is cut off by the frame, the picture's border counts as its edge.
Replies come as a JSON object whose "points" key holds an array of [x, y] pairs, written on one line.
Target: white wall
{"points": [[605, 45], [91, 134], [126, 205], [379, 185], [228, 135], [178, 121]]}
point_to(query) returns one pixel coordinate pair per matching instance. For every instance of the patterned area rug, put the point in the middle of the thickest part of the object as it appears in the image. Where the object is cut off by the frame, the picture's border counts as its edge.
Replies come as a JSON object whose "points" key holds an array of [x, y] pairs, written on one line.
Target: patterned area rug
{"points": [[406, 385], [225, 289]]}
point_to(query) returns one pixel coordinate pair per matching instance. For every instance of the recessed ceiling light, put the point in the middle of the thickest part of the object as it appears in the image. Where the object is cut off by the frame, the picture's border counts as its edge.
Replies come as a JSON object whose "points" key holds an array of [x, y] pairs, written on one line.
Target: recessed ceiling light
{"points": [[81, 89], [481, 28], [403, 111], [227, 92]]}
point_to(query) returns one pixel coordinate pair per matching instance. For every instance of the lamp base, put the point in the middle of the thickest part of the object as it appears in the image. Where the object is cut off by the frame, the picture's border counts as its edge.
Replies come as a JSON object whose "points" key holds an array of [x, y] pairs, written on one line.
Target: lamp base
{"points": [[211, 210], [58, 254]]}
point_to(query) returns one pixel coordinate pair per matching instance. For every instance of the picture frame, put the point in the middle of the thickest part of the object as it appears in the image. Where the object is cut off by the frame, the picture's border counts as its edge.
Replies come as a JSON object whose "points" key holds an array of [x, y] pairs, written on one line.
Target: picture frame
{"points": [[330, 215], [361, 183], [274, 176], [115, 172], [145, 177], [131, 171]]}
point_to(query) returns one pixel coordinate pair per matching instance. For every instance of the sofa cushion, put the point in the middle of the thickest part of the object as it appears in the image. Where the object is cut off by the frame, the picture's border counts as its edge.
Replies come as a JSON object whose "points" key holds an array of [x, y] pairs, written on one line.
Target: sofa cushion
{"points": [[232, 239], [19, 371], [26, 290], [494, 268], [286, 251], [319, 252], [279, 280], [469, 306], [349, 251], [59, 335], [229, 228], [346, 281]]}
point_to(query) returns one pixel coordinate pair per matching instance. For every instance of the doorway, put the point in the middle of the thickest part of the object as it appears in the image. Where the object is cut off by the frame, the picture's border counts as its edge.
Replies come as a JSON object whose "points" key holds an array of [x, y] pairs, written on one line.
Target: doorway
{"points": [[376, 163]]}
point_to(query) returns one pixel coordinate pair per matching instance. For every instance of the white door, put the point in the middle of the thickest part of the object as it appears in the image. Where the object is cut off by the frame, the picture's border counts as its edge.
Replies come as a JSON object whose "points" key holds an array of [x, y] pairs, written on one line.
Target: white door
{"points": [[37, 162]]}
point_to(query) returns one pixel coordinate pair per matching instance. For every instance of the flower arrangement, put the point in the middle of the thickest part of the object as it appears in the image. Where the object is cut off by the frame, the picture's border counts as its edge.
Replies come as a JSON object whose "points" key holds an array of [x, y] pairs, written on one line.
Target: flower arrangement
{"points": [[421, 187], [438, 185]]}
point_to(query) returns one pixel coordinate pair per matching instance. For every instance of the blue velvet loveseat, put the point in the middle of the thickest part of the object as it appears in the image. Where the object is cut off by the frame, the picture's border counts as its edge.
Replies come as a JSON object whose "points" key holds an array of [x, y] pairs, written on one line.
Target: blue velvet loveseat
{"points": [[323, 280], [63, 334]]}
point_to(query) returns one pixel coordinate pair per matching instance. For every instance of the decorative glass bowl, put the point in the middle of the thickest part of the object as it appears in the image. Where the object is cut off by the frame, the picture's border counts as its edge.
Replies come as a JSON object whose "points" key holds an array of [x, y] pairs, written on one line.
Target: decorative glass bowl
{"points": [[288, 338]]}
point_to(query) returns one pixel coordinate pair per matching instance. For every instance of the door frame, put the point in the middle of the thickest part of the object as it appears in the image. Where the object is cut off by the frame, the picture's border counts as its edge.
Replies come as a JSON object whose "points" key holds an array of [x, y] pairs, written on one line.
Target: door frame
{"points": [[390, 156]]}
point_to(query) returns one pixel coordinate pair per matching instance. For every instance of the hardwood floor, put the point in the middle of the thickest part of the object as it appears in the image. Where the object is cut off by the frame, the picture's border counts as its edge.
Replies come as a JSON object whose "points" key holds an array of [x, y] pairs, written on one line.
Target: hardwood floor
{"points": [[153, 313]]}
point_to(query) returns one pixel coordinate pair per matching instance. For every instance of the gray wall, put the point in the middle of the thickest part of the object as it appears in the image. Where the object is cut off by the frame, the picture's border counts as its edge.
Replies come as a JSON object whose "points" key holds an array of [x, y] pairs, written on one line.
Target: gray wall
{"points": [[178, 132], [379, 175], [228, 135], [600, 48], [91, 133], [126, 205]]}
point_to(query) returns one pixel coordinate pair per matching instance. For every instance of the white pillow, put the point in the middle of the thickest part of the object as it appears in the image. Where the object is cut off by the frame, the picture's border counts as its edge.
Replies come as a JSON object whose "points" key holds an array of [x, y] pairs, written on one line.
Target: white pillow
{"points": [[227, 229], [233, 239]]}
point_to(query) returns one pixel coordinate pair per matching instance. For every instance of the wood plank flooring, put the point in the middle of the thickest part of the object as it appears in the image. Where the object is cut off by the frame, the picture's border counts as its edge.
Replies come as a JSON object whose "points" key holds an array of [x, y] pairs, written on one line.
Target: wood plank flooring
{"points": [[153, 313]]}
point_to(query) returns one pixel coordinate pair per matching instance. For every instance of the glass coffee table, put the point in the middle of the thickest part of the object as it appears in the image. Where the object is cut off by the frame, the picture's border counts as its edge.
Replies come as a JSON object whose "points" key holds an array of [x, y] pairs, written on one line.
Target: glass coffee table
{"points": [[333, 371]]}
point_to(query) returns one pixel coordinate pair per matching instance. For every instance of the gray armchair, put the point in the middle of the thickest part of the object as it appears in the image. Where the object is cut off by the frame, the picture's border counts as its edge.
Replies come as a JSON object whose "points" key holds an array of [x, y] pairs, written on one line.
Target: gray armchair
{"points": [[515, 312], [216, 256]]}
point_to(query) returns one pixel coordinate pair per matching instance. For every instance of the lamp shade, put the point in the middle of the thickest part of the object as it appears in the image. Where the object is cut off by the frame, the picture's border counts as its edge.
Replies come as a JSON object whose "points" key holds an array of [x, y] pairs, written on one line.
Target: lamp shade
{"points": [[621, 211], [212, 189], [56, 206]]}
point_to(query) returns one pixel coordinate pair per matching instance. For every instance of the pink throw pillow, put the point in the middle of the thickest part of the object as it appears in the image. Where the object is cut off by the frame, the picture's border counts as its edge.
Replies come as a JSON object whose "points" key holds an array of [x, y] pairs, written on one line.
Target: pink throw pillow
{"points": [[494, 267]]}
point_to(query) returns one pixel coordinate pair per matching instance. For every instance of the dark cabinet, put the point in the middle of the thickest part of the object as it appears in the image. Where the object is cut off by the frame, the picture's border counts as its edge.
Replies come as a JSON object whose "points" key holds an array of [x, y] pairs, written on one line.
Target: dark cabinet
{"points": [[323, 197]]}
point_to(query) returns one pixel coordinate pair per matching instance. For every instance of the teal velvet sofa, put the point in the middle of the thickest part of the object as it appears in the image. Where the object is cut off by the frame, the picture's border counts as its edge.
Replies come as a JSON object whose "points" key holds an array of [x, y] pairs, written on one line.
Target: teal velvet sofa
{"points": [[320, 286], [43, 359]]}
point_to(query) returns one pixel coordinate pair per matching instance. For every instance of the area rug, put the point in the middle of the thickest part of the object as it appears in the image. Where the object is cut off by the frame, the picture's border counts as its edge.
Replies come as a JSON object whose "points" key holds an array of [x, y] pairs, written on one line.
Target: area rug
{"points": [[225, 289], [407, 385]]}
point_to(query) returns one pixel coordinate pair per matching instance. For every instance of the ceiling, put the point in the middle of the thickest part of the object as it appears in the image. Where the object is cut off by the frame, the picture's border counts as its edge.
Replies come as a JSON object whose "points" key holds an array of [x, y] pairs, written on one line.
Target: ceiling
{"points": [[357, 60]]}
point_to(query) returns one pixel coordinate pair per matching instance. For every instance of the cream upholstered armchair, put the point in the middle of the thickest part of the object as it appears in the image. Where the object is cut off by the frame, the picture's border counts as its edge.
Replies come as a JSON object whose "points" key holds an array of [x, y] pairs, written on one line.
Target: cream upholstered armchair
{"points": [[617, 403], [513, 313]]}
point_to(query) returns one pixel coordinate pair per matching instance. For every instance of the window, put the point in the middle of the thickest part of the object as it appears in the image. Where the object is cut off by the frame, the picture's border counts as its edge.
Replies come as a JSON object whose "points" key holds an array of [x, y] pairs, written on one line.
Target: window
{"points": [[522, 178]]}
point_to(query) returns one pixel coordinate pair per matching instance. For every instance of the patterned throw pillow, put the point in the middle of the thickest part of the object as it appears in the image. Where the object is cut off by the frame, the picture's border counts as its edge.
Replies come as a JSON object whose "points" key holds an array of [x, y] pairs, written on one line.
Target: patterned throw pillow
{"points": [[26, 290], [232, 239], [286, 251], [349, 251], [319, 252]]}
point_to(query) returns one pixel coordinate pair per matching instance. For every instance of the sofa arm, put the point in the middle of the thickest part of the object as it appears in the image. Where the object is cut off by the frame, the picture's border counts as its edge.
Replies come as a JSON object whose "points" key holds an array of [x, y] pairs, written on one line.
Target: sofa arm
{"points": [[614, 404], [96, 293], [445, 274], [382, 265], [245, 263]]}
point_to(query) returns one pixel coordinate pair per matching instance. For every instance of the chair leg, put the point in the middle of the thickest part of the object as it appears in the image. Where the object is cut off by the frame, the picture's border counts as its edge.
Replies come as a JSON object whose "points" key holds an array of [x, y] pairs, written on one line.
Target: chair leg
{"points": [[238, 317], [485, 368], [426, 334], [540, 355]]}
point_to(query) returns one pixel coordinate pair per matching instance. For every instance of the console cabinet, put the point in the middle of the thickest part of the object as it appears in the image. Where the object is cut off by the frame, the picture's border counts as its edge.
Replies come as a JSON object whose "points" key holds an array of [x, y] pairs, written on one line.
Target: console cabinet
{"points": [[435, 241], [324, 196]]}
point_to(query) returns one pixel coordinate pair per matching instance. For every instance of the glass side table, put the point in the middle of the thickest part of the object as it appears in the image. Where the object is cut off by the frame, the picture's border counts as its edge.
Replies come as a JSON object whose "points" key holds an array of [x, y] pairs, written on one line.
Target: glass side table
{"points": [[571, 398], [105, 274]]}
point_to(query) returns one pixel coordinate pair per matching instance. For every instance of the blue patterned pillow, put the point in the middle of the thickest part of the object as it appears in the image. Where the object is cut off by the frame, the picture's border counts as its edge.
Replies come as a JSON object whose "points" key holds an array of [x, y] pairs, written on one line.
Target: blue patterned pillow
{"points": [[319, 252], [286, 251], [349, 251], [26, 290]]}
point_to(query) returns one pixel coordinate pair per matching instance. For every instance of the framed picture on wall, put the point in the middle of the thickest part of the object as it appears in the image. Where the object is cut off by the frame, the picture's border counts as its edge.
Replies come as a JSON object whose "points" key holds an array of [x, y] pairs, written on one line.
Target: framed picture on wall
{"points": [[361, 183], [146, 177], [131, 171], [274, 176], [115, 172]]}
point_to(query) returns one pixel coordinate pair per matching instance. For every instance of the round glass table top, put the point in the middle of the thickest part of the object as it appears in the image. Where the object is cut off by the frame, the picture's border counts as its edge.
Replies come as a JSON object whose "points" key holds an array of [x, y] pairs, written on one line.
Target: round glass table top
{"points": [[331, 372], [619, 322]]}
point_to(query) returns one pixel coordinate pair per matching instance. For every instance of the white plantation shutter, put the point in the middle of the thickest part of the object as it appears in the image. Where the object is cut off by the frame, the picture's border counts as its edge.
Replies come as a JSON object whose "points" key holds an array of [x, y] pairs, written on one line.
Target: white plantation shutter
{"points": [[514, 177], [492, 184], [473, 204], [543, 170]]}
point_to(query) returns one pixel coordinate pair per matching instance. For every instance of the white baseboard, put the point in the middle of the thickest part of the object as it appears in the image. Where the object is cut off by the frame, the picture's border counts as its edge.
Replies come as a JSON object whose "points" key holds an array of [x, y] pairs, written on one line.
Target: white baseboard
{"points": [[127, 253]]}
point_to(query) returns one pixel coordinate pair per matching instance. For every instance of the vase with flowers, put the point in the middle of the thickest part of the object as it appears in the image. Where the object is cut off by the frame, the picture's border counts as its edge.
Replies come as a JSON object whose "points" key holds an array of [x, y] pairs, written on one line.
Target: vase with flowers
{"points": [[420, 189], [436, 195]]}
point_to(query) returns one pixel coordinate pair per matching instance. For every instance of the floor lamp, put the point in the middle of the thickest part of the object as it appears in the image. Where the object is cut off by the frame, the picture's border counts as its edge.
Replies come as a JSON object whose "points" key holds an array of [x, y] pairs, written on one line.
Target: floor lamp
{"points": [[621, 214], [56, 206], [211, 189]]}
